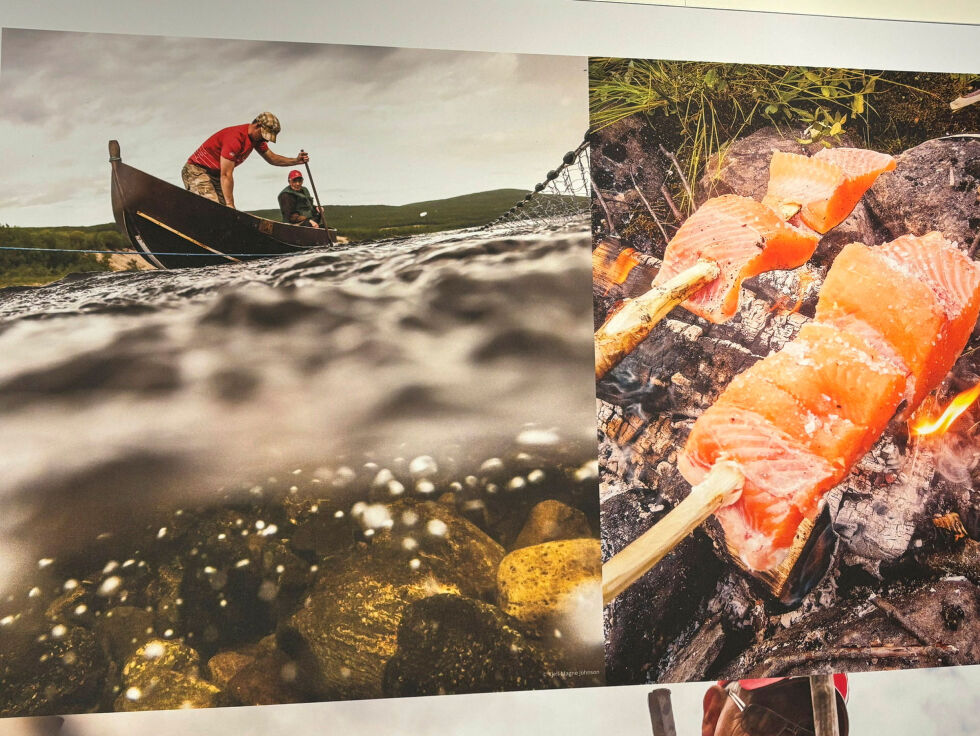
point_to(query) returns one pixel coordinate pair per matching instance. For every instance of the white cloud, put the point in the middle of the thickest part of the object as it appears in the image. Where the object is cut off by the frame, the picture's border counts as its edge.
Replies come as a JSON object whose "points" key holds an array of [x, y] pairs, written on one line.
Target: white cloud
{"points": [[382, 126]]}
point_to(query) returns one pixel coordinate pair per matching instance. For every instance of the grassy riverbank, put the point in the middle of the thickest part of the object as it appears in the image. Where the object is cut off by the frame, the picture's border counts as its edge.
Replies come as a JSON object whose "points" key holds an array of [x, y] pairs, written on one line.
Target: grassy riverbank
{"points": [[26, 268], [353, 222]]}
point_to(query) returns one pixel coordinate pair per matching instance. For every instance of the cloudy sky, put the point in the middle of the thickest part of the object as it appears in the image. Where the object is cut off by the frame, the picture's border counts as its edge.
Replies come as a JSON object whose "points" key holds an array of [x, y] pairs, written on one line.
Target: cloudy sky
{"points": [[381, 125], [939, 702]]}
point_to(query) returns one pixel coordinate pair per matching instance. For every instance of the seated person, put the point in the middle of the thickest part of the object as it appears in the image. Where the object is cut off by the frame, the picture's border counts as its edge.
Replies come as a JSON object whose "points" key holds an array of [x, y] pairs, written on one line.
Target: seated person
{"points": [[296, 204], [776, 706]]}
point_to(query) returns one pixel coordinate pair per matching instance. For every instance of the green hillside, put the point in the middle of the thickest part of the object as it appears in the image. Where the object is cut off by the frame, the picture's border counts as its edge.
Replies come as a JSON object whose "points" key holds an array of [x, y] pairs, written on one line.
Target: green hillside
{"points": [[22, 267], [353, 222], [372, 221]]}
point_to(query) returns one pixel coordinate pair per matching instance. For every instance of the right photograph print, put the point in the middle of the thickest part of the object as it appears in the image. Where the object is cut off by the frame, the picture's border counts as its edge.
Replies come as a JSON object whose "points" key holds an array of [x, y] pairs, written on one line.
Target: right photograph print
{"points": [[786, 295]]}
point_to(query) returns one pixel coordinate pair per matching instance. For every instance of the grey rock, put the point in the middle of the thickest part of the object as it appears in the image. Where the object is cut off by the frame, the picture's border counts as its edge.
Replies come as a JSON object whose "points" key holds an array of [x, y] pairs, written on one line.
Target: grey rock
{"points": [[935, 186]]}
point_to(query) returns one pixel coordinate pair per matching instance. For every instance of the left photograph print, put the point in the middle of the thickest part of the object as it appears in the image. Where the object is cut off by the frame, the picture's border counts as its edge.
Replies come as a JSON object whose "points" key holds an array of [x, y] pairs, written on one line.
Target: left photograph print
{"points": [[296, 374]]}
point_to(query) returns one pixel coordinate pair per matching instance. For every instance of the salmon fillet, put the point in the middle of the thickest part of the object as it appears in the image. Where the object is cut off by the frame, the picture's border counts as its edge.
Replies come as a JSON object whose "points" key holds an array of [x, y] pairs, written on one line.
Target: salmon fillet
{"points": [[784, 481], [824, 188], [890, 322], [866, 294], [744, 238], [836, 373], [762, 389], [954, 280]]}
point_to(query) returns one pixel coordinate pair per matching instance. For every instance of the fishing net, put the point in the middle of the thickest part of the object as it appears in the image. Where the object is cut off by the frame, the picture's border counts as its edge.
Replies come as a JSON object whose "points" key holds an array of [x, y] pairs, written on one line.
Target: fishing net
{"points": [[563, 195]]}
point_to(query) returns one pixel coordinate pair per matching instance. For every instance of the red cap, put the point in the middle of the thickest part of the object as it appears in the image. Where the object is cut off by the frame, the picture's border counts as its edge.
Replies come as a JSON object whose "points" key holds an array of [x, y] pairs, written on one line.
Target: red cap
{"points": [[295, 174], [840, 682]]}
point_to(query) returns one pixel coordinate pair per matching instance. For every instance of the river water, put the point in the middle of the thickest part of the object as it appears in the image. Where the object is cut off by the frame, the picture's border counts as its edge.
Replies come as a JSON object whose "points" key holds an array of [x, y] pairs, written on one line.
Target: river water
{"points": [[415, 365]]}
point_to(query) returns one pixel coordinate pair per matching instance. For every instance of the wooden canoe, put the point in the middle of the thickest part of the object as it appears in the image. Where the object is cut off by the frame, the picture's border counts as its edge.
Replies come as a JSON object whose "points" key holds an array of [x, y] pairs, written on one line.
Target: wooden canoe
{"points": [[174, 228]]}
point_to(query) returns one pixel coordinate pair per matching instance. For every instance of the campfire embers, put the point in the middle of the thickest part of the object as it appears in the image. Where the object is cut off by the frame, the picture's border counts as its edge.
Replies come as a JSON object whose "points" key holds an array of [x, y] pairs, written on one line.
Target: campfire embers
{"points": [[884, 510]]}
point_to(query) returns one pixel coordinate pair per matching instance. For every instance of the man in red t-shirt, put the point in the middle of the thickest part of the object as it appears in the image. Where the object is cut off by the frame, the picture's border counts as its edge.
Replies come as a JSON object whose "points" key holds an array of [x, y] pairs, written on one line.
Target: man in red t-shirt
{"points": [[210, 170]]}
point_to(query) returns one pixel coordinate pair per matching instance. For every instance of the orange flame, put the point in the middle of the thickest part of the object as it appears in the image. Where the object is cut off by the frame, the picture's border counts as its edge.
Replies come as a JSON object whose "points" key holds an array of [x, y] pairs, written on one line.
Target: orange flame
{"points": [[620, 269], [925, 426]]}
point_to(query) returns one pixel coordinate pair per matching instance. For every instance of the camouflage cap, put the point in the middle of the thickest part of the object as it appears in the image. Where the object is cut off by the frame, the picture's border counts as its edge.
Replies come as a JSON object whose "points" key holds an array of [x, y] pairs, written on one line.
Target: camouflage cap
{"points": [[269, 124]]}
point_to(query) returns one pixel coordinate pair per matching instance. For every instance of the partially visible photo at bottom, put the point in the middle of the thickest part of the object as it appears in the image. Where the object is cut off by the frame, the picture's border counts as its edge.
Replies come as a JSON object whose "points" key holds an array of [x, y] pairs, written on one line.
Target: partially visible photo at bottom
{"points": [[920, 702]]}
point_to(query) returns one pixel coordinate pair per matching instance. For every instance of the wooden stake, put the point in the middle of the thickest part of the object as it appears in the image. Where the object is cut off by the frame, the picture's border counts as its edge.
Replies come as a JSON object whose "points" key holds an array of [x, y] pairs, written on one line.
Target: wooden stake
{"points": [[721, 487], [661, 713], [630, 325], [824, 700]]}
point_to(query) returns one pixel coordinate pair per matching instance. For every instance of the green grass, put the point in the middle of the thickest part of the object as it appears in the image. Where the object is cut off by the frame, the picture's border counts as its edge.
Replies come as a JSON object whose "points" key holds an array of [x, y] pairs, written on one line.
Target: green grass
{"points": [[371, 222], [698, 107], [24, 268]]}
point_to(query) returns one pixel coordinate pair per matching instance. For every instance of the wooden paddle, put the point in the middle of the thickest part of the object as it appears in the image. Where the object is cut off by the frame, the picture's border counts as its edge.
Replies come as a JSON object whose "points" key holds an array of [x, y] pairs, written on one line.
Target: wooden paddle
{"points": [[721, 486], [632, 323], [323, 217]]}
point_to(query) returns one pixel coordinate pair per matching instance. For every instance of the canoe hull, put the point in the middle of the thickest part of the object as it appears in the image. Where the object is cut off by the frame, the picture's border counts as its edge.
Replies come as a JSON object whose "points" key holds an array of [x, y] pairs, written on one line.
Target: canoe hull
{"points": [[174, 228]]}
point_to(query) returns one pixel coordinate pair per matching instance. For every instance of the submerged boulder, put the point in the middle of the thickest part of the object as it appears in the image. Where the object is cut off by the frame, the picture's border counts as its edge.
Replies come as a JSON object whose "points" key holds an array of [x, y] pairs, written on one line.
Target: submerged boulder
{"points": [[448, 644], [538, 584], [50, 670], [346, 631], [163, 675], [550, 521], [440, 539]]}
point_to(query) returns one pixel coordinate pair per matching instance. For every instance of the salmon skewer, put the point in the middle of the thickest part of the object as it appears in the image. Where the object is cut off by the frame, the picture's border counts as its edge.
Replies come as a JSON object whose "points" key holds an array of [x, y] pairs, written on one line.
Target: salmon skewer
{"points": [[727, 240], [743, 238], [794, 423]]}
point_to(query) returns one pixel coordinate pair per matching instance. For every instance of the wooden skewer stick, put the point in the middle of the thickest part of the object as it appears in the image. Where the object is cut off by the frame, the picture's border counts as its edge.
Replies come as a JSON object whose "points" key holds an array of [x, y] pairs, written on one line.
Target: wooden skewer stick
{"points": [[721, 486], [635, 319]]}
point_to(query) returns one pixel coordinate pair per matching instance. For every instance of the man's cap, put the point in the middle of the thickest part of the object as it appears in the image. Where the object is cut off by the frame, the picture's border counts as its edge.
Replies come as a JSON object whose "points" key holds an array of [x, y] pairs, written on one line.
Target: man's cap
{"points": [[295, 174], [840, 682], [269, 124]]}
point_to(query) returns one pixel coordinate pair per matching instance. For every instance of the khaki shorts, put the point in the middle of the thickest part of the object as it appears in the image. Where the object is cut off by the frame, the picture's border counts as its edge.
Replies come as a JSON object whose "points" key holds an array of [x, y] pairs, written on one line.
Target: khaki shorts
{"points": [[201, 181]]}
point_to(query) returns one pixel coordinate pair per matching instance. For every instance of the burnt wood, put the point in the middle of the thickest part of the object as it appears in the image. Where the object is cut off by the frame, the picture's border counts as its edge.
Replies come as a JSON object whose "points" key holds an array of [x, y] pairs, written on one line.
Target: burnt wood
{"points": [[161, 219]]}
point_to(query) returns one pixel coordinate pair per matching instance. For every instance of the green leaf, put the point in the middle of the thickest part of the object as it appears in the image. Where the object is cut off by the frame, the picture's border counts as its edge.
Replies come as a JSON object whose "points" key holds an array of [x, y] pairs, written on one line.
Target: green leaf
{"points": [[857, 104]]}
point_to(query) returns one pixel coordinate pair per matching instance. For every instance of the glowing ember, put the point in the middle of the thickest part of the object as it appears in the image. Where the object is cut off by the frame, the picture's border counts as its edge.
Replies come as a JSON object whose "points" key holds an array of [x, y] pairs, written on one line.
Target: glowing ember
{"points": [[925, 426], [620, 270]]}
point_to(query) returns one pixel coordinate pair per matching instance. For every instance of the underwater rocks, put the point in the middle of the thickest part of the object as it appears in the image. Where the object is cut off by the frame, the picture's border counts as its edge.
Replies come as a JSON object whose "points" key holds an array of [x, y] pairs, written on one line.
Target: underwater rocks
{"points": [[550, 521], [443, 541], [347, 629], [124, 629], [540, 584], [164, 675], [450, 645], [50, 670], [258, 674], [306, 599]]}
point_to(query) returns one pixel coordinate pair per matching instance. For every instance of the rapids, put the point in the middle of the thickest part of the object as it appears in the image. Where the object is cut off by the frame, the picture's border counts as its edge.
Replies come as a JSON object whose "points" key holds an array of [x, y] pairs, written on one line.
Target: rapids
{"points": [[126, 391]]}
